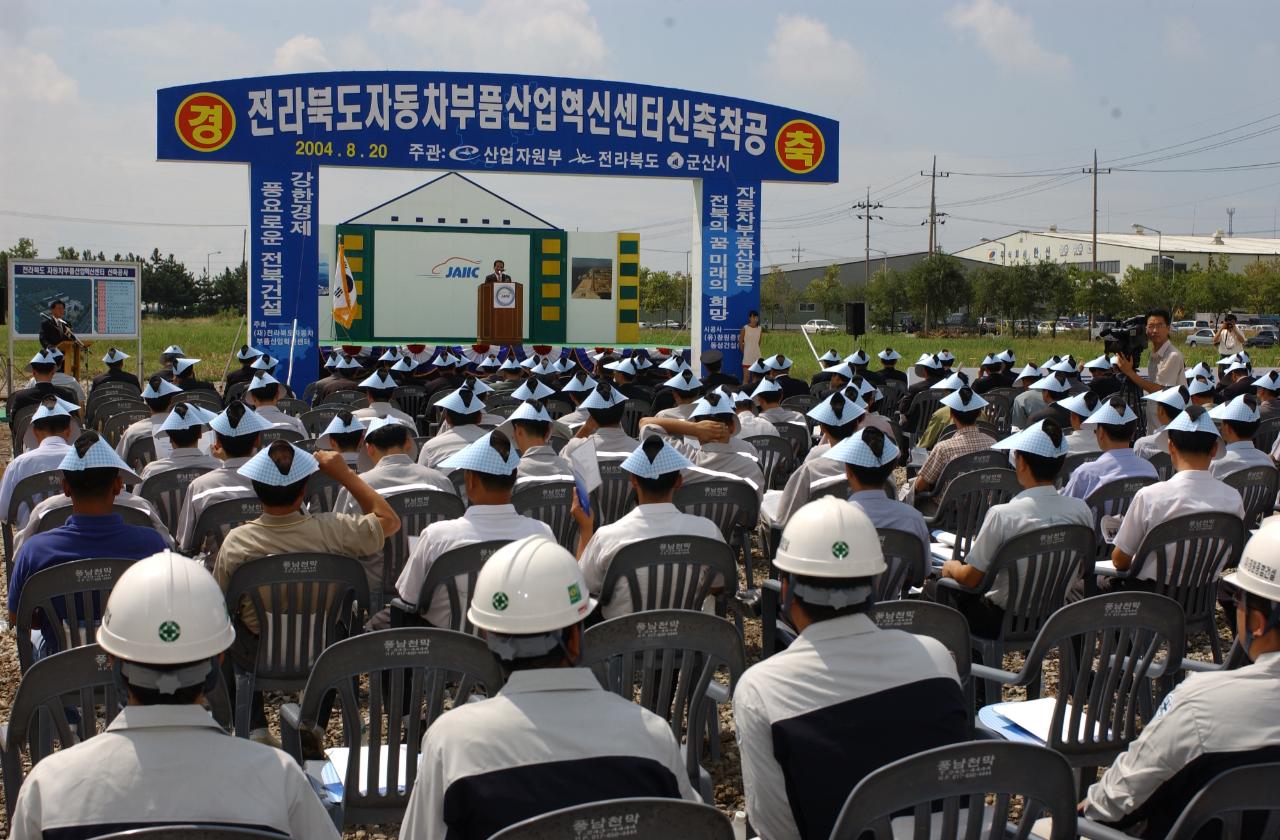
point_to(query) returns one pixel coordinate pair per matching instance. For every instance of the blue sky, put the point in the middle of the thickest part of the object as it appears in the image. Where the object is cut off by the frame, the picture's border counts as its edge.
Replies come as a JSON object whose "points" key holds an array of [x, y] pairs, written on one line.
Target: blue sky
{"points": [[989, 86]]}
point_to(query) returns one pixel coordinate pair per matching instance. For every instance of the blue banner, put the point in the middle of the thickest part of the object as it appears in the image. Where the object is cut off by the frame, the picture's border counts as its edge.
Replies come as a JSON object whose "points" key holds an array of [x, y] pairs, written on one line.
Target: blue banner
{"points": [[283, 285], [730, 266], [493, 122]]}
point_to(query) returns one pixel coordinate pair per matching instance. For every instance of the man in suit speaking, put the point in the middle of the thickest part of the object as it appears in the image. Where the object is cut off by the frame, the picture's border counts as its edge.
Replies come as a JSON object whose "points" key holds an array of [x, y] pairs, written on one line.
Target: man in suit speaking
{"points": [[498, 275]]}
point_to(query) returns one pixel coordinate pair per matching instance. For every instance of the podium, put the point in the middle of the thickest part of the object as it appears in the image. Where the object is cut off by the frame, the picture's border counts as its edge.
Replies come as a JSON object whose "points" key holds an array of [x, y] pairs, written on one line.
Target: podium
{"points": [[496, 324], [71, 355]]}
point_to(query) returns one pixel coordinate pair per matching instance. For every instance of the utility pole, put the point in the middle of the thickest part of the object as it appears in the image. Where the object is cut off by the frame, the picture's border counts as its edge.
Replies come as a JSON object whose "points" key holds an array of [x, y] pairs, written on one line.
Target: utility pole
{"points": [[797, 251], [932, 221], [1231, 218], [1093, 170], [867, 207]]}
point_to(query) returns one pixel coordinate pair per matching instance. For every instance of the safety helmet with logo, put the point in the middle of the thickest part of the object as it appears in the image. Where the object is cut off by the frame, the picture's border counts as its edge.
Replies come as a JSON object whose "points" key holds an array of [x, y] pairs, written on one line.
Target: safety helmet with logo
{"points": [[527, 593], [1259, 571], [166, 610], [830, 538]]}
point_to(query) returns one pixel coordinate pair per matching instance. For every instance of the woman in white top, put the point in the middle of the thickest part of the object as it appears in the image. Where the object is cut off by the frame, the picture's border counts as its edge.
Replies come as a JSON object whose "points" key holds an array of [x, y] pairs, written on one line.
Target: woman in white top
{"points": [[749, 341], [1229, 340]]}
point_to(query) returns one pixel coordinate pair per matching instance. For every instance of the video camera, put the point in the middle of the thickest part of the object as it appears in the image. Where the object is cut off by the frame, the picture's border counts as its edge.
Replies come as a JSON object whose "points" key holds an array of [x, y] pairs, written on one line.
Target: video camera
{"points": [[1127, 338]]}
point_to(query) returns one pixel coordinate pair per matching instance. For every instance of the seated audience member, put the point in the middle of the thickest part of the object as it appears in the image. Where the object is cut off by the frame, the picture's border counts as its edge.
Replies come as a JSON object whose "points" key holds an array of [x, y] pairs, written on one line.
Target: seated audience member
{"points": [[46, 379], [1113, 424], [278, 475], [579, 386], [1029, 400], [1211, 722], [1053, 388], [623, 373], [846, 697], [825, 363], [51, 428], [115, 372], [531, 432], [768, 395], [859, 361], [1168, 403], [603, 427], [965, 408], [838, 376], [184, 427], [168, 356], [159, 397], [552, 737], [164, 742], [1080, 407], [1236, 379], [1201, 392], [489, 468], [388, 451], [889, 365], [184, 376], [1191, 489], [462, 410], [1038, 454], [722, 456], [1238, 423], [995, 374], [941, 416], [1104, 382], [345, 377], [779, 367], [928, 374], [712, 362], [684, 389], [869, 458], [246, 356], [344, 435], [238, 430], [378, 389], [264, 393], [752, 425], [1265, 389], [838, 418], [654, 469]]}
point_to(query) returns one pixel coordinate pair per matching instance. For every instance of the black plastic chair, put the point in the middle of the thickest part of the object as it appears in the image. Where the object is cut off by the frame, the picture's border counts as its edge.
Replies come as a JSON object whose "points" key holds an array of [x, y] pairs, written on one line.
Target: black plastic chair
{"points": [[317, 420], [455, 573], [925, 618], [1071, 463], [142, 451], [641, 819], [799, 438], [925, 403], [113, 427], [906, 561], [417, 509], [26, 494], [634, 409], [777, 459], [550, 502], [236, 392], [82, 679], [666, 660], [190, 831], [800, 402], [965, 502], [292, 406], [216, 521], [1232, 798], [1112, 499], [952, 785], [411, 399], [1268, 431], [303, 602], [987, 428], [270, 436], [1163, 464], [998, 412], [165, 492], [1257, 488], [322, 493], [18, 427], [203, 397], [671, 573], [614, 498], [987, 459], [733, 506], [67, 601], [58, 516], [390, 686]]}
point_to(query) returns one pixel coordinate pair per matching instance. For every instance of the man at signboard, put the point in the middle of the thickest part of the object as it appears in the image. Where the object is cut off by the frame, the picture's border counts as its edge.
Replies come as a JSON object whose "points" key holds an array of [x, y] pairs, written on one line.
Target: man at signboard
{"points": [[53, 329], [498, 275]]}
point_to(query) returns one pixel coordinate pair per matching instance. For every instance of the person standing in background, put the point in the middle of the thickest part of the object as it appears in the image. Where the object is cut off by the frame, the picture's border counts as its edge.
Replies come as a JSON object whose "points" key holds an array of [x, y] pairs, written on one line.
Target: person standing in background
{"points": [[749, 341], [1229, 339]]}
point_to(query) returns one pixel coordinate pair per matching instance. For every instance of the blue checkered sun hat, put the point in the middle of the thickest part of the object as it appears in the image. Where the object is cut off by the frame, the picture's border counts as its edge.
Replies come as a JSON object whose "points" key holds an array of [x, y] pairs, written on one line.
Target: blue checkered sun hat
{"points": [[1052, 384], [578, 383], [842, 370], [954, 382], [378, 381], [1078, 404], [675, 363], [600, 397], [532, 389], [1103, 362], [113, 356], [247, 352], [858, 357], [1007, 356], [953, 401], [855, 451], [478, 386], [344, 362], [1198, 386], [990, 360], [623, 366], [945, 355], [766, 386], [1067, 365], [509, 363], [165, 389], [532, 410], [489, 362], [388, 355], [480, 456], [1201, 422], [262, 380], [778, 362], [758, 366], [1107, 415], [1237, 410], [186, 416], [741, 397], [264, 469], [378, 422], [1171, 397], [829, 357], [888, 354], [655, 458], [54, 406], [173, 350], [1234, 366], [684, 381], [1201, 369], [338, 427], [91, 451], [1033, 441], [462, 401], [44, 357], [1030, 372], [251, 423], [329, 363], [928, 360], [1269, 380], [268, 362], [827, 413], [404, 364], [714, 404]]}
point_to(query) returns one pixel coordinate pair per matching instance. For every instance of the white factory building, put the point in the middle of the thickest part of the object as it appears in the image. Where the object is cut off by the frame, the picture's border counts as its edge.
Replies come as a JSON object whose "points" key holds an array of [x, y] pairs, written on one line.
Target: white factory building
{"points": [[1118, 251]]}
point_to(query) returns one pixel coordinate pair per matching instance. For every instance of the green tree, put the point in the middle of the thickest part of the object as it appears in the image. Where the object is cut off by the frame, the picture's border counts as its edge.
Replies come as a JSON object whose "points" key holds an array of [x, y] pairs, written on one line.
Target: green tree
{"points": [[1147, 289], [1214, 289], [168, 288], [1023, 294], [659, 292], [1057, 289], [1260, 282], [1098, 294], [827, 291], [777, 297], [986, 285], [886, 296], [24, 250], [937, 286]]}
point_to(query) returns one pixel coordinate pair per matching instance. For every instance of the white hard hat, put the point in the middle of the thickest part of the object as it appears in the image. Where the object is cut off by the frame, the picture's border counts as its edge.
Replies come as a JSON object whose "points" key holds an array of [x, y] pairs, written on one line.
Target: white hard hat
{"points": [[529, 587], [1259, 569], [830, 538], [166, 610]]}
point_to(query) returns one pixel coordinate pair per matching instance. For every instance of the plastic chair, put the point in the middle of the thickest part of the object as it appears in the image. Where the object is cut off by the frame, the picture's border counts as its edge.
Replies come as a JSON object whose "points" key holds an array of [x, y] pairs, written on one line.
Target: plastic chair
{"points": [[893, 391], [417, 509], [1268, 431], [799, 438], [1189, 552], [1163, 464], [141, 452], [1257, 488], [108, 391], [632, 411], [643, 819], [558, 406], [1112, 499], [957, 780], [449, 572], [777, 459], [216, 521], [504, 410], [346, 397], [190, 832], [411, 399], [18, 427], [391, 685], [907, 563], [236, 392], [203, 397], [671, 573], [614, 498], [732, 505], [1228, 799], [925, 618], [166, 490], [317, 420], [270, 436], [998, 412], [983, 426], [113, 426], [1071, 463], [303, 602], [67, 602], [965, 502], [322, 493], [800, 402], [1038, 567], [1118, 654], [292, 406], [925, 403], [81, 678], [550, 502], [987, 459], [26, 494], [666, 660]]}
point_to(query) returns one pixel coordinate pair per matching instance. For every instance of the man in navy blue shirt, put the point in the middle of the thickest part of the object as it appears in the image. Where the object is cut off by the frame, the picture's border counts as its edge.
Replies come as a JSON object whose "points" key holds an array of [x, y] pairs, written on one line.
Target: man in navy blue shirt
{"points": [[92, 475]]}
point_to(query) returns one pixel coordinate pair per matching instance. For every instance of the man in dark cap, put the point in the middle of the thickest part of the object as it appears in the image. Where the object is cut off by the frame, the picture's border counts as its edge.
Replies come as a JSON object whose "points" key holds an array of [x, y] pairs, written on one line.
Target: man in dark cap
{"points": [[712, 360]]}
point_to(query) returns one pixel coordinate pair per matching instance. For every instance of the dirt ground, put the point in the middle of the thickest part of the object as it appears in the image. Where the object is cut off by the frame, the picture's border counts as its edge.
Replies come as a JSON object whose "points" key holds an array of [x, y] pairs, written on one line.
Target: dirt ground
{"points": [[726, 772]]}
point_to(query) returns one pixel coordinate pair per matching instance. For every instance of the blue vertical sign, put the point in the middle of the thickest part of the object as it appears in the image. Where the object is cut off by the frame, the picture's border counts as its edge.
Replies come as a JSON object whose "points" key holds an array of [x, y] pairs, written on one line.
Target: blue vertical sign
{"points": [[730, 265], [283, 316]]}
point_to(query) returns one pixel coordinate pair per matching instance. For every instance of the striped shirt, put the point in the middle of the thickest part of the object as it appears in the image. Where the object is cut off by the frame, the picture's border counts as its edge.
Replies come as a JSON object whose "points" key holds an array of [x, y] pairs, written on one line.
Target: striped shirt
{"points": [[966, 440]]}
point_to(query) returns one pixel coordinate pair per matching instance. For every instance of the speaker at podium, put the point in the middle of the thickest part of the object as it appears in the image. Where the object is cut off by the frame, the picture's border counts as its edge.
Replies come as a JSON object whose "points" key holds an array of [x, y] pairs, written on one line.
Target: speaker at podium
{"points": [[500, 313]]}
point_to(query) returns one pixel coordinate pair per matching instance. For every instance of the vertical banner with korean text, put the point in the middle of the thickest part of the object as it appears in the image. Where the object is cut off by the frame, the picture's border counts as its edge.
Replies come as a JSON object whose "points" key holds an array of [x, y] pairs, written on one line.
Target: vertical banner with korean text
{"points": [[283, 268], [727, 264]]}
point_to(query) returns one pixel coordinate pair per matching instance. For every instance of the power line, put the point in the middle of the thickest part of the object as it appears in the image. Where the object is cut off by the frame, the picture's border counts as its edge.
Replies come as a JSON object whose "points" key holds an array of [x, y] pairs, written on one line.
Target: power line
{"points": [[47, 217]]}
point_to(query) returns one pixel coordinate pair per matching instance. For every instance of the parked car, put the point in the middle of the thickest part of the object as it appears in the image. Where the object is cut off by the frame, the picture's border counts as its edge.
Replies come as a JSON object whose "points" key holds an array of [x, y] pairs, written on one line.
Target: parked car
{"points": [[1200, 338], [668, 325], [1266, 337], [1046, 328], [988, 326], [819, 325], [1185, 326]]}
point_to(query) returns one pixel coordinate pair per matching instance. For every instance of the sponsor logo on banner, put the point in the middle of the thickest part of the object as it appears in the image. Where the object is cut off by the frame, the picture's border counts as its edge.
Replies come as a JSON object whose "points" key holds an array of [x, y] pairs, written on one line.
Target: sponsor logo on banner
{"points": [[205, 122], [459, 268]]}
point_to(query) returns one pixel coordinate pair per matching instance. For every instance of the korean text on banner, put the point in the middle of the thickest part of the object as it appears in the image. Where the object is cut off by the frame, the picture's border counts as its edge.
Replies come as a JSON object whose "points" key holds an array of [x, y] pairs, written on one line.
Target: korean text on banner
{"points": [[730, 265]]}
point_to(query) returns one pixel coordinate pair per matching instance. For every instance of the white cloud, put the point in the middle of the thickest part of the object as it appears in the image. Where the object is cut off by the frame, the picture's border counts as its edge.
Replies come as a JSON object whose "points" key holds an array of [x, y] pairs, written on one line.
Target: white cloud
{"points": [[1006, 36], [525, 36], [804, 54], [1182, 38], [301, 54], [28, 75]]}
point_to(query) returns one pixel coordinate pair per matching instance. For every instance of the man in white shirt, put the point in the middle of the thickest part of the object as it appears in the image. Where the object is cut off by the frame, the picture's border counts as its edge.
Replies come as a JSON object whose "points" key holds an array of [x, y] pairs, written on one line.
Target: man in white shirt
{"points": [[684, 388], [655, 469], [768, 395], [378, 390], [239, 432], [159, 396], [388, 452], [184, 427], [1229, 340], [1113, 424], [264, 392], [869, 459], [1167, 405], [726, 457], [51, 425], [462, 409], [579, 386], [838, 418], [603, 427], [344, 435], [1080, 407], [752, 425], [531, 430], [1238, 423], [489, 468], [1164, 365]]}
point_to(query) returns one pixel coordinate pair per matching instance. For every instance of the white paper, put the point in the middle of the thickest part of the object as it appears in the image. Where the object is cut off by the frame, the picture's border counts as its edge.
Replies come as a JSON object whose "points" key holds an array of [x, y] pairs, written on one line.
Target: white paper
{"points": [[586, 466], [945, 537], [941, 553], [1105, 567], [335, 771], [1110, 527], [1036, 717]]}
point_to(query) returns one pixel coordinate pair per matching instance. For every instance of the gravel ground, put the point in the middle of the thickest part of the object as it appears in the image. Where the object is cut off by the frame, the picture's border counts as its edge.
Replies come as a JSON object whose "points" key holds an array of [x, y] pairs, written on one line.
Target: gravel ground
{"points": [[726, 772]]}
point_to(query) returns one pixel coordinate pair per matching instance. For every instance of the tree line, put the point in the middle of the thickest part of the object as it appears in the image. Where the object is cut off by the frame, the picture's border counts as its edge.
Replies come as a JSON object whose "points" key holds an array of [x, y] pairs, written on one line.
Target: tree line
{"points": [[169, 288]]}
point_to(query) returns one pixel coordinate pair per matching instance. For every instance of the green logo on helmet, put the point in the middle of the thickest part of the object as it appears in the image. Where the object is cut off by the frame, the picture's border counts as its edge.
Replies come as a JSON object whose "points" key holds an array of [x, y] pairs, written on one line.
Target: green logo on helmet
{"points": [[575, 594], [170, 631], [840, 549], [500, 601]]}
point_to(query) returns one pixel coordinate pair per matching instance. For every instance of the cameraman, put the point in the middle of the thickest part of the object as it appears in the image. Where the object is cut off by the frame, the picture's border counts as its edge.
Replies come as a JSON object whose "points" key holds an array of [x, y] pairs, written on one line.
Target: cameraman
{"points": [[1164, 368], [1229, 340]]}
